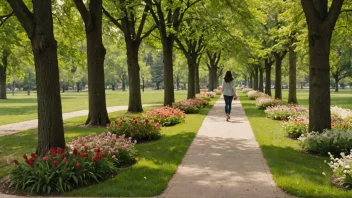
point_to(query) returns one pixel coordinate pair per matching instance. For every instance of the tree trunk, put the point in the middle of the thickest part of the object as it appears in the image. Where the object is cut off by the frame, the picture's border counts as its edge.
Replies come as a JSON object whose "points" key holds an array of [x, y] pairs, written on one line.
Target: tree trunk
{"points": [[96, 53], [169, 94], [178, 82], [113, 87], [135, 101], [3, 68], [255, 87], [251, 81], [191, 91], [157, 85], [336, 78], [267, 77], [292, 96], [278, 76], [321, 23], [63, 88], [78, 89], [261, 79], [44, 45], [245, 80], [196, 85]]}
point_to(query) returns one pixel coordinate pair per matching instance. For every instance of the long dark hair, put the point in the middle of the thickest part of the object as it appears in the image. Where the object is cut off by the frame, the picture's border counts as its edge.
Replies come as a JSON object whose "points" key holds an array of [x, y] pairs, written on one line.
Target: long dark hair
{"points": [[228, 77]]}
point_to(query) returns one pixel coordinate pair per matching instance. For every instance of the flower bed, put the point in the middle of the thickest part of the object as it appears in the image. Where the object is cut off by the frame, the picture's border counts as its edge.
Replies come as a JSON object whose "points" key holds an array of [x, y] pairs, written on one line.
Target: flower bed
{"points": [[283, 112], [139, 128], [334, 141], [191, 105], [341, 168], [295, 127], [166, 116], [89, 159], [266, 101], [206, 94], [252, 95], [246, 90], [341, 112]]}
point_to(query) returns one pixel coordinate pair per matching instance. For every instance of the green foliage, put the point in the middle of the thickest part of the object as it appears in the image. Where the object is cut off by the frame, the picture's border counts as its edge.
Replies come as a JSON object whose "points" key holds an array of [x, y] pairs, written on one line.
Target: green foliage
{"points": [[334, 141]]}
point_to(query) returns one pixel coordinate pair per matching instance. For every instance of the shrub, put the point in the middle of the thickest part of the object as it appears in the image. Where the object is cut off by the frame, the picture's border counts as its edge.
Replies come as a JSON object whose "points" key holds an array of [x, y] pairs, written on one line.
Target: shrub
{"points": [[139, 128], [295, 127], [283, 112], [252, 95], [118, 149], [218, 91], [166, 116], [266, 101], [341, 168], [191, 105], [246, 90], [334, 141]]}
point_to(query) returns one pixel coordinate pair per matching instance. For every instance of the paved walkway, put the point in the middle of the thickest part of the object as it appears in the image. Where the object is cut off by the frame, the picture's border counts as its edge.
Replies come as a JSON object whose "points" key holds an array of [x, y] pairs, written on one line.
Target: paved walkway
{"points": [[9, 129], [224, 160]]}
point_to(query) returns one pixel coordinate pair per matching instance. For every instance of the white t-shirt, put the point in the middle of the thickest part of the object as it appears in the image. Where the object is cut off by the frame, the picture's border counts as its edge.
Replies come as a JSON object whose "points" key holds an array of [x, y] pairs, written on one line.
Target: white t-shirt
{"points": [[228, 89]]}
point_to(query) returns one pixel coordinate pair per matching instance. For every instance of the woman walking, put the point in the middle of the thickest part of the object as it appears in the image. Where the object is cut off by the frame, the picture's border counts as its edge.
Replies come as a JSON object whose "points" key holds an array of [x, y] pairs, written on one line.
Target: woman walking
{"points": [[229, 92]]}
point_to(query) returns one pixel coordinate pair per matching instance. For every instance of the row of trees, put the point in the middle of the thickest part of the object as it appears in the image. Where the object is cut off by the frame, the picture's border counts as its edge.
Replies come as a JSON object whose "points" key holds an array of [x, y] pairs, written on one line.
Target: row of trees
{"points": [[245, 36]]}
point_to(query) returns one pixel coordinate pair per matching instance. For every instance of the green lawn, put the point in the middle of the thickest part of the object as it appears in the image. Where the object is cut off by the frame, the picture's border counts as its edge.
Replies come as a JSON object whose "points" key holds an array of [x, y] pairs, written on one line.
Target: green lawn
{"points": [[22, 107], [157, 160], [295, 172]]}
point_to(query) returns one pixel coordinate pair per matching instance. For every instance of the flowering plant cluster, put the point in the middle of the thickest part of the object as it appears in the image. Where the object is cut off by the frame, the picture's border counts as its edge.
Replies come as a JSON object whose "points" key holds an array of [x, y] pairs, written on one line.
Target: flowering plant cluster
{"points": [[283, 112], [295, 127], [334, 141], [191, 105], [206, 95], [139, 128], [252, 95], [341, 123], [166, 116], [341, 112], [266, 101], [60, 170], [217, 91], [246, 90], [118, 149], [342, 169]]}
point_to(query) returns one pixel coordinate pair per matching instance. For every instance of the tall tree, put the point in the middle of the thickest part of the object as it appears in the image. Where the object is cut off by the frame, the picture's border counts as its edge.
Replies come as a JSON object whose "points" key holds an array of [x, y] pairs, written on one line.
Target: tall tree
{"points": [[321, 21], [343, 68], [92, 19], [213, 67], [292, 96], [168, 16], [157, 68], [39, 28], [129, 12]]}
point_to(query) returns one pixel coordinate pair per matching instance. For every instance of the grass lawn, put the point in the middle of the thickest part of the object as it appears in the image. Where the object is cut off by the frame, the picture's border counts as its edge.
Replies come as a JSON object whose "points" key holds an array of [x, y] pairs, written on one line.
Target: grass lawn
{"points": [[157, 161], [295, 172], [22, 107]]}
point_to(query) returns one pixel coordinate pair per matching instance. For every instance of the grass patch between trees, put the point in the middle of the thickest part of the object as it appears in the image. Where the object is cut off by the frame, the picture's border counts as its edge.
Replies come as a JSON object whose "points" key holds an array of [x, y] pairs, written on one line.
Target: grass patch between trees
{"points": [[294, 171]]}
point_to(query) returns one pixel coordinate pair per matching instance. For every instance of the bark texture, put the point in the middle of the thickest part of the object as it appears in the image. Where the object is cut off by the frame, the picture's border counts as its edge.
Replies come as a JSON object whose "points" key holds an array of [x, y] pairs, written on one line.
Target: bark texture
{"points": [[268, 63], [321, 23], [39, 28], [3, 68], [92, 18], [213, 67], [292, 92]]}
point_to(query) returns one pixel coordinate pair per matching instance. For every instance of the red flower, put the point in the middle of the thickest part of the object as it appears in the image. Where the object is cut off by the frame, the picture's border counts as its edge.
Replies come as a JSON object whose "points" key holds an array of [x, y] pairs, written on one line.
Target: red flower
{"points": [[54, 163], [78, 165], [59, 150], [30, 162], [85, 147], [84, 155], [16, 162], [97, 150], [64, 161], [62, 155], [74, 151], [25, 157], [33, 155], [94, 159], [43, 151], [45, 158], [52, 151]]}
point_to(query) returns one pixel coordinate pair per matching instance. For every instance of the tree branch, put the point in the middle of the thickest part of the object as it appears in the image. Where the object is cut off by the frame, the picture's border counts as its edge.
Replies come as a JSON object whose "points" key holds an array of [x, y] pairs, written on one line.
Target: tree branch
{"points": [[83, 11], [182, 47], [333, 14], [112, 19], [141, 24], [23, 14], [149, 32], [310, 11]]}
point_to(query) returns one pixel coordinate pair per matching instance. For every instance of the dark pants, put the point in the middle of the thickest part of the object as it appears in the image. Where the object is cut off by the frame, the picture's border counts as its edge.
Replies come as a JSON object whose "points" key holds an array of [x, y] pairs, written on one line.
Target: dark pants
{"points": [[228, 102]]}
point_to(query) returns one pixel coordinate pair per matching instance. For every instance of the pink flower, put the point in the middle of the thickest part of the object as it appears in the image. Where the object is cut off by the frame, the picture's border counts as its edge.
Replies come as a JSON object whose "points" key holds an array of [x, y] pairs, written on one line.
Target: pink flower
{"points": [[46, 158]]}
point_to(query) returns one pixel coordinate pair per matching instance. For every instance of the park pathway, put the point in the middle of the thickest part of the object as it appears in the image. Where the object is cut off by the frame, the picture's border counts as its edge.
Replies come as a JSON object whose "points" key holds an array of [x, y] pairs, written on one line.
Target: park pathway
{"points": [[224, 160], [13, 128]]}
